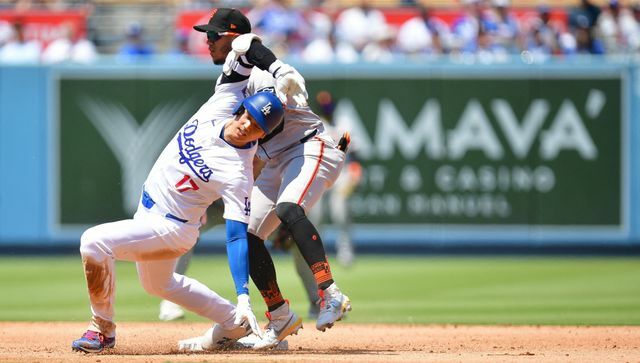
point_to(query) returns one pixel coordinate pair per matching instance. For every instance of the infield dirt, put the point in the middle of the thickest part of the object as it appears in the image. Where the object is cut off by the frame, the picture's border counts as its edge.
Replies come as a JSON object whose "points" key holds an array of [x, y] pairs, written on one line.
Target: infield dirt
{"points": [[157, 342]]}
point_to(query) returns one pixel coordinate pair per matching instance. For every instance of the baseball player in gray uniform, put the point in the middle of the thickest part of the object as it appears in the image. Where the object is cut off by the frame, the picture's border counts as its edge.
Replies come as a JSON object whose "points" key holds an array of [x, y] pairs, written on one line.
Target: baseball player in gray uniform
{"points": [[210, 157], [301, 162]]}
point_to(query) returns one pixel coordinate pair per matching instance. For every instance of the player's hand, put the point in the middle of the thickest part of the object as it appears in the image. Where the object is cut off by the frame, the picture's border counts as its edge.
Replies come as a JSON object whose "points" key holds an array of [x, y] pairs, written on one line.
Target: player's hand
{"points": [[244, 315], [290, 86]]}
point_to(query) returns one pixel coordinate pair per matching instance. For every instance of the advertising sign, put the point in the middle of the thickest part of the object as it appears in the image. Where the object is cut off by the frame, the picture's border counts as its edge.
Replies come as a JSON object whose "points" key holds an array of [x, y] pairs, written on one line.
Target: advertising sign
{"points": [[455, 151]]}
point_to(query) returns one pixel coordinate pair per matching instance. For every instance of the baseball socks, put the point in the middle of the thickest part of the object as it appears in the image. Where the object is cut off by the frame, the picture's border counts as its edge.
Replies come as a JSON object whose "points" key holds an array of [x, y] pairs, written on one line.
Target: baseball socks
{"points": [[333, 303], [308, 240], [263, 272]]}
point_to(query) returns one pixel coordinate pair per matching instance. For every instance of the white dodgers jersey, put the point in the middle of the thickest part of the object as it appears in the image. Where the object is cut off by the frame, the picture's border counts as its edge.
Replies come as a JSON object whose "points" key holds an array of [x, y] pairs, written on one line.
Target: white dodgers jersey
{"points": [[198, 166]]}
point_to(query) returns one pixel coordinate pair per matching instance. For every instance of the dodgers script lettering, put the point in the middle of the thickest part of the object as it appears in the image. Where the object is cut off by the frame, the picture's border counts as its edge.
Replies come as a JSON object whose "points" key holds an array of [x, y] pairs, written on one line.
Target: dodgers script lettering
{"points": [[189, 151]]}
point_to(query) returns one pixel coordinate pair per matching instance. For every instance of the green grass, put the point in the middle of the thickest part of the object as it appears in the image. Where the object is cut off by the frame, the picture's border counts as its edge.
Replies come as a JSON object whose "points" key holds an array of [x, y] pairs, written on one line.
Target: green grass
{"points": [[473, 290]]}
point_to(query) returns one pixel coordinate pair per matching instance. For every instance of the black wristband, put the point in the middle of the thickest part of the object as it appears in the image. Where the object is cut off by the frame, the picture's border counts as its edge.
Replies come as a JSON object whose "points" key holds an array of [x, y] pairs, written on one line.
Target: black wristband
{"points": [[260, 56]]}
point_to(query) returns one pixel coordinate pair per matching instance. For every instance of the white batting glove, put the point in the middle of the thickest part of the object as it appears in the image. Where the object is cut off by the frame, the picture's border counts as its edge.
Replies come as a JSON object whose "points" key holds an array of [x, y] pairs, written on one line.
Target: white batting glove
{"points": [[244, 315], [289, 84]]}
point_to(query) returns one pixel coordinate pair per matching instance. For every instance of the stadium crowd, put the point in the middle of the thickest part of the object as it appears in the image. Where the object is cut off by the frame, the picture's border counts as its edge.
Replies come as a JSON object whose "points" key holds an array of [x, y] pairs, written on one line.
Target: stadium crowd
{"points": [[321, 31]]}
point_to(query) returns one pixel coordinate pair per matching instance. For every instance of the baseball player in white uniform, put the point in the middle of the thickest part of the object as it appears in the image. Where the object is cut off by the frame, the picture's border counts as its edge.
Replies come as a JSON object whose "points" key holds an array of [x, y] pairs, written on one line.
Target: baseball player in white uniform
{"points": [[210, 157], [301, 162]]}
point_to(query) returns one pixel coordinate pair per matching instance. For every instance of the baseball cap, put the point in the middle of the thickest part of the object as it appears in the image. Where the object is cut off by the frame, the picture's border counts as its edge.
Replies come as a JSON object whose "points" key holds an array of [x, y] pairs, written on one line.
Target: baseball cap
{"points": [[226, 20]]}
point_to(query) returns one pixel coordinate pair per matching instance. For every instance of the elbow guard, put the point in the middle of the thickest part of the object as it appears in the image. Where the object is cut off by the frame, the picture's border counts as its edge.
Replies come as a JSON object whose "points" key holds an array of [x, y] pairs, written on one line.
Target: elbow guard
{"points": [[242, 43]]}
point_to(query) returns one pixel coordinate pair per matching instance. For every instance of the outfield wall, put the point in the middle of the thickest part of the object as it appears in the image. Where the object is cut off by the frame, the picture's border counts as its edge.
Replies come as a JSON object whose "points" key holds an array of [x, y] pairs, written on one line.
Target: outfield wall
{"points": [[453, 154]]}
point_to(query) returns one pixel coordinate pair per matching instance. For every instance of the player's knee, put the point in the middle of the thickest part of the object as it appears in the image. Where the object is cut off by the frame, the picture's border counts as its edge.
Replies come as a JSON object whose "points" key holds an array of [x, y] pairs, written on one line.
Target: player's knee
{"points": [[150, 288], [155, 287], [89, 243], [259, 230], [259, 235], [290, 213]]}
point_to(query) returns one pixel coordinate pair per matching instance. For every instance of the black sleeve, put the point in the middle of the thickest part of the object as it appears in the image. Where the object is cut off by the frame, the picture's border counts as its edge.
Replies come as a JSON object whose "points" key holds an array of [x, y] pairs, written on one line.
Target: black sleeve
{"points": [[234, 77], [260, 56]]}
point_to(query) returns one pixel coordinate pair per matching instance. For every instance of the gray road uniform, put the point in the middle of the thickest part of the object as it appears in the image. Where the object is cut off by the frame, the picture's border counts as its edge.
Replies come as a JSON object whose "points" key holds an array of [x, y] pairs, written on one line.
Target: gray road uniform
{"points": [[302, 161]]}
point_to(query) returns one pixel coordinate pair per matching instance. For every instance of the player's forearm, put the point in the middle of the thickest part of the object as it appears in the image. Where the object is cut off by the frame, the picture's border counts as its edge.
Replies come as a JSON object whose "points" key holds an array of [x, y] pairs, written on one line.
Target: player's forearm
{"points": [[289, 84], [263, 58], [238, 255], [260, 56]]}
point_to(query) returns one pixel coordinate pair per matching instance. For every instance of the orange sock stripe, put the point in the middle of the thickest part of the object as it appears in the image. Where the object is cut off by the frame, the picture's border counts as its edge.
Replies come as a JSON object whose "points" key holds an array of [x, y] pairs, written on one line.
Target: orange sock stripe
{"points": [[322, 278], [272, 295], [272, 301], [321, 272]]}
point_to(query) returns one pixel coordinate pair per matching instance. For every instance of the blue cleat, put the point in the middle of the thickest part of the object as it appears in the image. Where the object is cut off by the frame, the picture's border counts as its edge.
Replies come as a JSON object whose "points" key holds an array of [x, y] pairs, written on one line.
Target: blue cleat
{"points": [[93, 342]]}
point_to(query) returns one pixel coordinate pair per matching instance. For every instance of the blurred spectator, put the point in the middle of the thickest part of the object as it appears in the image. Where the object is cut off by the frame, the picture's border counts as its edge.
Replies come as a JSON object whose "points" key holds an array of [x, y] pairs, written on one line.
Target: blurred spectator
{"points": [[135, 45], [326, 49], [6, 32], [358, 25], [586, 42], [467, 27], [181, 46], [281, 26], [487, 50], [19, 50], [586, 11], [539, 49], [544, 33], [382, 48], [618, 29], [319, 50], [507, 28], [319, 19], [69, 47], [344, 52], [635, 11], [322, 45], [424, 34]]}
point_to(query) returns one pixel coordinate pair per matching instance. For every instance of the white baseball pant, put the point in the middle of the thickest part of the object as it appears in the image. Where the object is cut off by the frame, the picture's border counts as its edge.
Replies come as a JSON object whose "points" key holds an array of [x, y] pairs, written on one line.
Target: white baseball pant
{"points": [[299, 175], [154, 242]]}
